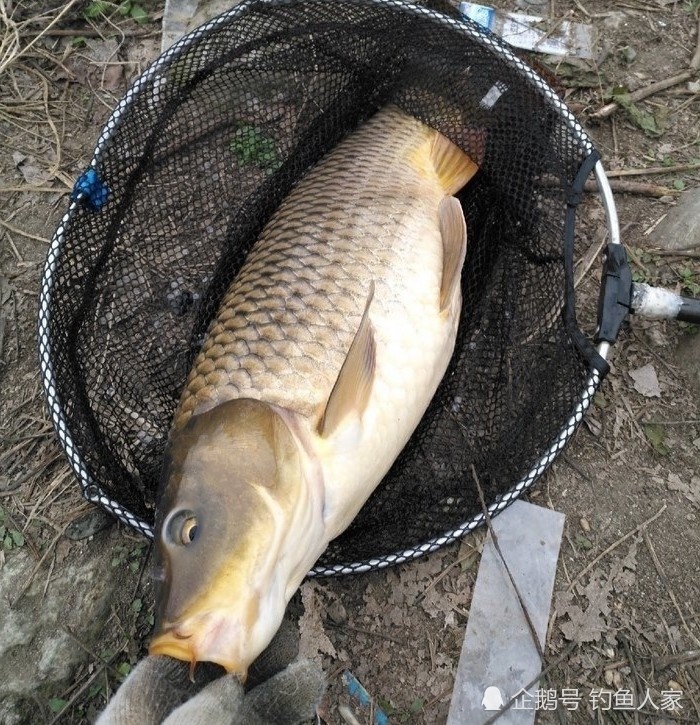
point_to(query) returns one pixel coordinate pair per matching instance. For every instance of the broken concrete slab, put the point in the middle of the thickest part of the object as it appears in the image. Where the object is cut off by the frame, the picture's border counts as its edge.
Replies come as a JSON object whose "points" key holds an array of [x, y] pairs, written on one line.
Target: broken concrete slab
{"points": [[182, 16], [499, 655], [680, 229]]}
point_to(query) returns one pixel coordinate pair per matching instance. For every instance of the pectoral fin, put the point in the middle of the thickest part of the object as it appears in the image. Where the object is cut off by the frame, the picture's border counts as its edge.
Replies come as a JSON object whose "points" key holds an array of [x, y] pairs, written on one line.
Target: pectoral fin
{"points": [[354, 384], [453, 229]]}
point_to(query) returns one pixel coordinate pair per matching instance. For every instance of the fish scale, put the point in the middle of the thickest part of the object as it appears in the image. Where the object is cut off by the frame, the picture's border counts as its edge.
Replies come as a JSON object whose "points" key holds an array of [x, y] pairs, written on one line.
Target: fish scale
{"points": [[287, 321]]}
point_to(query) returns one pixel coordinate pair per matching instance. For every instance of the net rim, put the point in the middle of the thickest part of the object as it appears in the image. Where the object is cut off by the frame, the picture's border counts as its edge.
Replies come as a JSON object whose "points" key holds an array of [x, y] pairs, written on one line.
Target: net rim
{"points": [[91, 490]]}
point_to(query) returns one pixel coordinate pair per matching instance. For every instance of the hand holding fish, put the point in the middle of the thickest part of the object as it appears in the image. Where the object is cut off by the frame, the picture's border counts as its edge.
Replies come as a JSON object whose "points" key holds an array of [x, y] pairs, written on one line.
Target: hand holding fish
{"points": [[161, 690]]}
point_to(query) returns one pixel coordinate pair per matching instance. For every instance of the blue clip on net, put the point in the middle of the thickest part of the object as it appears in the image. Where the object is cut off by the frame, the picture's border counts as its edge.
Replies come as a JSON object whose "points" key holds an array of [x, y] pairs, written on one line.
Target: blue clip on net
{"points": [[90, 187]]}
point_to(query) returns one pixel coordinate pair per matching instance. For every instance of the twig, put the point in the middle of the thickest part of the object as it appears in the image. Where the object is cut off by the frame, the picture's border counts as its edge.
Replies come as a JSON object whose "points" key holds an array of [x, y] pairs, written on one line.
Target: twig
{"points": [[33, 189], [682, 658], [613, 173], [578, 4], [27, 538], [614, 546], [471, 555], [695, 62], [664, 581], [589, 258], [642, 93], [17, 230], [92, 33], [89, 651], [575, 468], [532, 682], [48, 576], [12, 58], [496, 545], [632, 187], [104, 666], [350, 628], [36, 568], [20, 259], [628, 653], [142, 570], [675, 253], [690, 421]]}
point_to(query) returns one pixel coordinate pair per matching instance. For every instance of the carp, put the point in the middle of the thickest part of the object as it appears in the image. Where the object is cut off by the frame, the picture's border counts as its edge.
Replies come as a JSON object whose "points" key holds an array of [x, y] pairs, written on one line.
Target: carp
{"points": [[323, 357]]}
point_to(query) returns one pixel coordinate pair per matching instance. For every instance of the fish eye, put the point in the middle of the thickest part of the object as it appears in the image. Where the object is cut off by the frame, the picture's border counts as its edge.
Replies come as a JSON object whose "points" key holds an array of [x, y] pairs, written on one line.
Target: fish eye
{"points": [[182, 528]]}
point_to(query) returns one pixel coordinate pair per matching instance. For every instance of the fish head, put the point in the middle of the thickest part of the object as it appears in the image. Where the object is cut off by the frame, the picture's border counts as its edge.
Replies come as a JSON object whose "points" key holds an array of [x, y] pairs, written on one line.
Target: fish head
{"points": [[232, 479]]}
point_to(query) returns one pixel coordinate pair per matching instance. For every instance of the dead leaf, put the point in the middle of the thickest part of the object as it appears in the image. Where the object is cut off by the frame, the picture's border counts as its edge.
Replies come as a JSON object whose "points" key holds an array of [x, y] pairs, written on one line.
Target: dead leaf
{"points": [[646, 382], [113, 78], [691, 490], [312, 636], [35, 176], [102, 51], [627, 576], [586, 625], [593, 425]]}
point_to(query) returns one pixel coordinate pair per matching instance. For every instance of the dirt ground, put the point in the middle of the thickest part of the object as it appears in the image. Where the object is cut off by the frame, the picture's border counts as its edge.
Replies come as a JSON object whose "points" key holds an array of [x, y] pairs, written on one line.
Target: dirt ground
{"points": [[625, 614]]}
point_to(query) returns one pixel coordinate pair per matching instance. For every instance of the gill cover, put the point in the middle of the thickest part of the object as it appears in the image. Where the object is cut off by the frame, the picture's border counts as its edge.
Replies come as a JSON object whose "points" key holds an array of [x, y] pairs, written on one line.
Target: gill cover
{"points": [[228, 476]]}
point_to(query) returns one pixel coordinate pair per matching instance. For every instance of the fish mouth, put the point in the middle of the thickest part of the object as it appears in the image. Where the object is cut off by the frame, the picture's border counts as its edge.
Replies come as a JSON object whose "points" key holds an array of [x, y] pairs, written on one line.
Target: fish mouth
{"points": [[193, 647]]}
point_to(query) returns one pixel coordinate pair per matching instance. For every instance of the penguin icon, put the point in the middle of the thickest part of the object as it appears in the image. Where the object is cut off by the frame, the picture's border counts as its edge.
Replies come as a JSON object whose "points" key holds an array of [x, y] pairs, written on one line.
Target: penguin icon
{"points": [[492, 699]]}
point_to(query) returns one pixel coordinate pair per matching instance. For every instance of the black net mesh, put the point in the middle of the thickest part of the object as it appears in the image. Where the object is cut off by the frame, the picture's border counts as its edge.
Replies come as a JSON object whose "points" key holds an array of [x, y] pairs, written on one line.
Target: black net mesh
{"points": [[199, 155]]}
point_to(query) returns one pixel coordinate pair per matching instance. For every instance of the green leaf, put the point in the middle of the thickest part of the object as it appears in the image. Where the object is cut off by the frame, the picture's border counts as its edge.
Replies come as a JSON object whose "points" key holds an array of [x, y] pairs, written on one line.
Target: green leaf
{"points": [[679, 184], [3, 531], [600, 401], [139, 15], [17, 538], [656, 435], [124, 668], [124, 8], [134, 566], [56, 704], [79, 42], [7, 543], [386, 706], [95, 689], [95, 9], [416, 705], [137, 605], [2, 514], [252, 146], [583, 542], [639, 117]]}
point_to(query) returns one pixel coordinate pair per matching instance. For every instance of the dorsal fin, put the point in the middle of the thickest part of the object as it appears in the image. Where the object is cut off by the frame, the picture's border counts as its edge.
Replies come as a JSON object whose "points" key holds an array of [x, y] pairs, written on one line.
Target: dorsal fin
{"points": [[453, 167], [354, 384], [453, 229]]}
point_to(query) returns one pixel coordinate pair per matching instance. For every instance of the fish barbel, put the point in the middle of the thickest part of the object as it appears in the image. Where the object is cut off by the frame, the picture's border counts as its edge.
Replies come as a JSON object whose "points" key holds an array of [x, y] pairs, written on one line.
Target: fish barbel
{"points": [[324, 355]]}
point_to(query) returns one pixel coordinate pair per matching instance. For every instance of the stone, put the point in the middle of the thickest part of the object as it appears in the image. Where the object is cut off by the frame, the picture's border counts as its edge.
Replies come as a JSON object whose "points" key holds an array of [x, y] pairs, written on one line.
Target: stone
{"points": [[41, 634], [89, 524], [681, 227], [688, 357]]}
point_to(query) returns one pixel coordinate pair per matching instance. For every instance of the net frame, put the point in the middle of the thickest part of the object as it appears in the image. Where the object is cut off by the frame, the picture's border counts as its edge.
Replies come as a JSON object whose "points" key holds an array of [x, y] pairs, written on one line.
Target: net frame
{"points": [[91, 489]]}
